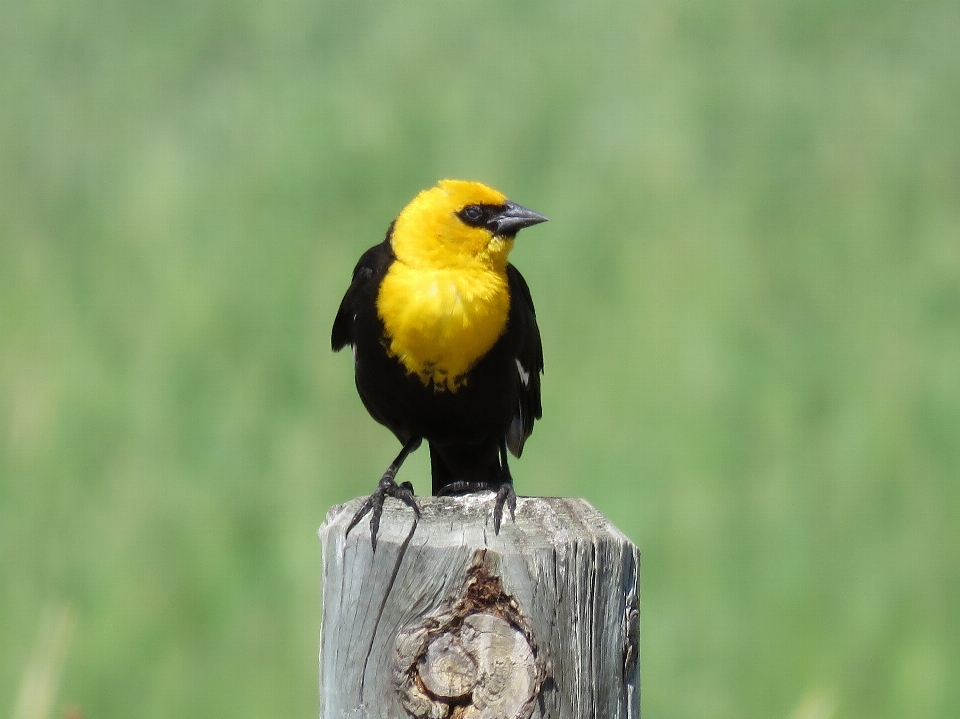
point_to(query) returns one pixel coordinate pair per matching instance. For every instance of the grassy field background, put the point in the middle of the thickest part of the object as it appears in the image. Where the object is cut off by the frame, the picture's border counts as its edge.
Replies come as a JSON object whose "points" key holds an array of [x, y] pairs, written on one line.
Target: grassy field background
{"points": [[749, 294]]}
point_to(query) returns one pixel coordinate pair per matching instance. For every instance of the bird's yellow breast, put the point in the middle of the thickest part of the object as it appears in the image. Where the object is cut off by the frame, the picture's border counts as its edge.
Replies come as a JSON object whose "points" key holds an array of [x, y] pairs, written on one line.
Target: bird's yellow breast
{"points": [[440, 321]]}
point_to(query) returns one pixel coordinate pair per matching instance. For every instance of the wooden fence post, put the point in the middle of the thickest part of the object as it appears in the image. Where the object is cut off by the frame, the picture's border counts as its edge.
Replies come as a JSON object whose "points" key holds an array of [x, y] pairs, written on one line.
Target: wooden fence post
{"points": [[451, 620]]}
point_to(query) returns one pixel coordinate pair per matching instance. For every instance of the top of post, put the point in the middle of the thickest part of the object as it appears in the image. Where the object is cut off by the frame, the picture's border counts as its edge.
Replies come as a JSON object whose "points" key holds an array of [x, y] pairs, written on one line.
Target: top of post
{"points": [[539, 522]]}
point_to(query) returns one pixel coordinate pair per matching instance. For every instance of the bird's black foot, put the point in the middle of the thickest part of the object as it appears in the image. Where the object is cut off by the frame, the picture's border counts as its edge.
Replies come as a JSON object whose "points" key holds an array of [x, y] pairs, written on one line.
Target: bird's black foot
{"points": [[505, 496], [373, 504]]}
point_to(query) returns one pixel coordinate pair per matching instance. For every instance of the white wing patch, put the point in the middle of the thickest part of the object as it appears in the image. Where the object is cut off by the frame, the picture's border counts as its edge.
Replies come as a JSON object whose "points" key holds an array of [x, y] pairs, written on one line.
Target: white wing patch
{"points": [[524, 375]]}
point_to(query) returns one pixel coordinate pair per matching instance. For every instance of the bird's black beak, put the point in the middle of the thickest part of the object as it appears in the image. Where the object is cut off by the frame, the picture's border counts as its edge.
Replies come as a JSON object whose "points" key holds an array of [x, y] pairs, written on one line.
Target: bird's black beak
{"points": [[513, 219]]}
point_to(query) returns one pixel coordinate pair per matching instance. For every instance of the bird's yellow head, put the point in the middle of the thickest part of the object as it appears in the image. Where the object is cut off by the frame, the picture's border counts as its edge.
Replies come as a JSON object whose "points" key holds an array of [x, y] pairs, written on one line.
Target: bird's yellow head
{"points": [[457, 224]]}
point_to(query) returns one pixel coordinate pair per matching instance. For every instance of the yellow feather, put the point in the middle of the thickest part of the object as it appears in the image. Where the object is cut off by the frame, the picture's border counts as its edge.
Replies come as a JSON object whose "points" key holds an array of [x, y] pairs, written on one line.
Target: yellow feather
{"points": [[445, 300]]}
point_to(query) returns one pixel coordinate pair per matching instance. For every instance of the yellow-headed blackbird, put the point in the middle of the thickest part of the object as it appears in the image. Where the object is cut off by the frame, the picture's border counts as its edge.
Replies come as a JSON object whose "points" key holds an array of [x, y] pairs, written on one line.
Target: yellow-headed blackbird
{"points": [[445, 342]]}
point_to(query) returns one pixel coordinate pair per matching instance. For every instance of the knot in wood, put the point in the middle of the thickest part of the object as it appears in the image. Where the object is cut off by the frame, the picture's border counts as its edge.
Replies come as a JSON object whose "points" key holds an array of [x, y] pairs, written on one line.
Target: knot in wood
{"points": [[447, 670], [482, 669], [474, 661]]}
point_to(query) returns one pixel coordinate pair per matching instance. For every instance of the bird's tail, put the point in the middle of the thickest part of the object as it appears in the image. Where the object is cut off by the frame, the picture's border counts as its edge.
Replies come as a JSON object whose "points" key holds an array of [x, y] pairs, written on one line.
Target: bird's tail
{"points": [[472, 464]]}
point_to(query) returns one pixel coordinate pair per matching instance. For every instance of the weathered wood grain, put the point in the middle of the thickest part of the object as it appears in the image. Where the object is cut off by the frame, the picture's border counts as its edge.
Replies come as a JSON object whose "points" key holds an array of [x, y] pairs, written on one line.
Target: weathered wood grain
{"points": [[454, 621]]}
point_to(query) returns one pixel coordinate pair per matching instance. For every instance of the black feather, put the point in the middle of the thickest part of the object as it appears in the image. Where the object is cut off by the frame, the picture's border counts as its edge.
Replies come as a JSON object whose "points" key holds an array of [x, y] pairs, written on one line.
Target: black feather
{"points": [[464, 428]]}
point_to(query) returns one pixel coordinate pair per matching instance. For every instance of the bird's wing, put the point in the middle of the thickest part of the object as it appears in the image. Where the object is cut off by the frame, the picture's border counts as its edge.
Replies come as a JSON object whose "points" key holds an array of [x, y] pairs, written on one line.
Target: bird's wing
{"points": [[366, 275], [528, 357]]}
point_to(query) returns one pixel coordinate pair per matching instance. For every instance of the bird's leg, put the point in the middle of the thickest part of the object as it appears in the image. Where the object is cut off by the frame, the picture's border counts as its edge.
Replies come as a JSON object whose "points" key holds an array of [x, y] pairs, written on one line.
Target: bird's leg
{"points": [[505, 493], [388, 487]]}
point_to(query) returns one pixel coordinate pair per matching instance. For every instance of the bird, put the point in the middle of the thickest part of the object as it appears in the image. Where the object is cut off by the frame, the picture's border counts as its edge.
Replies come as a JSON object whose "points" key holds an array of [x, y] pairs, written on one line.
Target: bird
{"points": [[445, 343]]}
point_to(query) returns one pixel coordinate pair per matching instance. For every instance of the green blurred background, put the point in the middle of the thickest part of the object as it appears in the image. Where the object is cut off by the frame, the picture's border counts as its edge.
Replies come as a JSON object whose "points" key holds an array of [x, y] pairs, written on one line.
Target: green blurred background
{"points": [[749, 295]]}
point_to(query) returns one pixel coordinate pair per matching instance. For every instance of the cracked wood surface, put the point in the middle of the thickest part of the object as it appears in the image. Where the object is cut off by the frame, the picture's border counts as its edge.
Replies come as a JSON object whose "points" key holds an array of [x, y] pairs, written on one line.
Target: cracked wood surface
{"points": [[451, 620]]}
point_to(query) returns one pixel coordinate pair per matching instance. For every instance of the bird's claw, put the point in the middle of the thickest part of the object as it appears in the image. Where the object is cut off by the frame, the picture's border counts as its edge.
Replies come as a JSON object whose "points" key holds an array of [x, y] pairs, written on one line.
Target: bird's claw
{"points": [[505, 496], [387, 487]]}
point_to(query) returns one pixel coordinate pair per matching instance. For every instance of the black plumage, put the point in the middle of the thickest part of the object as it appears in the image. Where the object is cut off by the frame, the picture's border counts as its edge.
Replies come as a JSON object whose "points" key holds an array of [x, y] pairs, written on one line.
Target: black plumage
{"points": [[470, 430]]}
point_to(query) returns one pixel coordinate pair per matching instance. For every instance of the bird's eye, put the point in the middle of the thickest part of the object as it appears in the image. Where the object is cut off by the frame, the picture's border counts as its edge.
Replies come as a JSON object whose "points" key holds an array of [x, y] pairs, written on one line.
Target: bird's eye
{"points": [[471, 214]]}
